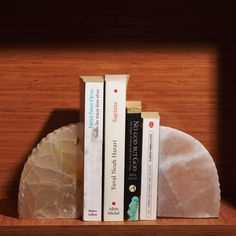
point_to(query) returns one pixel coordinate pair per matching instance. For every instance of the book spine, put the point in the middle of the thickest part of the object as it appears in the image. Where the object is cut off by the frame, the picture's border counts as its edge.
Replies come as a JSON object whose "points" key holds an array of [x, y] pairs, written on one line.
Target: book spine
{"points": [[93, 150], [133, 155], [114, 148], [149, 180]]}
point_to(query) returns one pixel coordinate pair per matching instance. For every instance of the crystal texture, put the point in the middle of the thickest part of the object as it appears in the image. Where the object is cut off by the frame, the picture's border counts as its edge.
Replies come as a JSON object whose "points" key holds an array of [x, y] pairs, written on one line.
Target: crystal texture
{"points": [[51, 181], [188, 180]]}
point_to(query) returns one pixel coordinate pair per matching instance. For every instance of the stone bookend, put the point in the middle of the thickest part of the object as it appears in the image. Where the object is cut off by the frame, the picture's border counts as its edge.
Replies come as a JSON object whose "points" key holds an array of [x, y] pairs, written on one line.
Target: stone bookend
{"points": [[188, 180], [51, 181]]}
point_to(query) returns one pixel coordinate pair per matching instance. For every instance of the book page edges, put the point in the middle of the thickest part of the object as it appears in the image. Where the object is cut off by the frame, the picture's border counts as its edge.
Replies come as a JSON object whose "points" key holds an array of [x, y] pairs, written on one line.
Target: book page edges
{"points": [[150, 115], [96, 79], [121, 78], [134, 106]]}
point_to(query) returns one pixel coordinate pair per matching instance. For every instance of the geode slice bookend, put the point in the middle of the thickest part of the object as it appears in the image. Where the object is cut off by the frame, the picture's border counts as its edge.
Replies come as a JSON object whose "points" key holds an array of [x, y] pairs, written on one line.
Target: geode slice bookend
{"points": [[188, 180], [51, 181]]}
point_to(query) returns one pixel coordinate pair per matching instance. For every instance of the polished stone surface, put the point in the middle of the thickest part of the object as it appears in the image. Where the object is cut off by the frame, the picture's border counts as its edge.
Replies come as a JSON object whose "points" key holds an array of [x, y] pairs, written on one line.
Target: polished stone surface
{"points": [[51, 181], [188, 179]]}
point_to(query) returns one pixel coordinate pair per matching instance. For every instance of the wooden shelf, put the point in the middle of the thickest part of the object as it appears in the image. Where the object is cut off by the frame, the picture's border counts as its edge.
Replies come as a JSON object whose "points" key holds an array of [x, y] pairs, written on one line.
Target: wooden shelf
{"points": [[11, 225], [181, 59]]}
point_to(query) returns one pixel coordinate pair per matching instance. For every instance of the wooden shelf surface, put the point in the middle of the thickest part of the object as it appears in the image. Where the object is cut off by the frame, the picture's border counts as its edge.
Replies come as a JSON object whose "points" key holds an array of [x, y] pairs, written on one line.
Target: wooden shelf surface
{"points": [[11, 225]]}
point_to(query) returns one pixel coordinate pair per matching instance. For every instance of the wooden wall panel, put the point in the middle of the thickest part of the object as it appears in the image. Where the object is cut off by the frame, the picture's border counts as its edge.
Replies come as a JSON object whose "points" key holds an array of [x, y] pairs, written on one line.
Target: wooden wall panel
{"points": [[39, 91]]}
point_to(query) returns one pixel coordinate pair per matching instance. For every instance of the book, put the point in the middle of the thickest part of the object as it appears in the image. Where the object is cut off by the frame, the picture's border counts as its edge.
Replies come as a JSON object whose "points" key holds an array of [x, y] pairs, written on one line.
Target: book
{"points": [[91, 116], [114, 151], [150, 154], [133, 155]]}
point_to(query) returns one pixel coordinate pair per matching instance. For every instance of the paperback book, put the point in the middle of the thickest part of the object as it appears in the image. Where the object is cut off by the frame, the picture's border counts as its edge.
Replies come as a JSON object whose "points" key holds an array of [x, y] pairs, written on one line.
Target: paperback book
{"points": [[91, 116], [150, 154], [114, 154], [133, 155]]}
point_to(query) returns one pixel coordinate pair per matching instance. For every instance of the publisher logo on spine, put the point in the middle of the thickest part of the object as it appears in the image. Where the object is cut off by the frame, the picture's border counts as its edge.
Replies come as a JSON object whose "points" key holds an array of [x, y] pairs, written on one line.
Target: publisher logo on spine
{"points": [[151, 124], [132, 188]]}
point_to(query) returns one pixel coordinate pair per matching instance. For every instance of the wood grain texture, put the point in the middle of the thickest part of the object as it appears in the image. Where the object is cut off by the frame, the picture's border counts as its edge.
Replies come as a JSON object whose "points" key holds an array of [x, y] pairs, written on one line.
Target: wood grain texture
{"points": [[37, 86], [227, 217], [226, 223], [118, 231], [181, 59]]}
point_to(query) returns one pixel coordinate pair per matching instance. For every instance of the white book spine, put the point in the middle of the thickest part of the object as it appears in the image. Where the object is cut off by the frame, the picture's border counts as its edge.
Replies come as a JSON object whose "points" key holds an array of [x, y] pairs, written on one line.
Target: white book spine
{"points": [[149, 174], [115, 114], [93, 149]]}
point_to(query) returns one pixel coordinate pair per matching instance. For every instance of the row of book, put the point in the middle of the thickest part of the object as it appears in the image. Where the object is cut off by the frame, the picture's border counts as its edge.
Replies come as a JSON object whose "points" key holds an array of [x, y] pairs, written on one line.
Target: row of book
{"points": [[120, 146]]}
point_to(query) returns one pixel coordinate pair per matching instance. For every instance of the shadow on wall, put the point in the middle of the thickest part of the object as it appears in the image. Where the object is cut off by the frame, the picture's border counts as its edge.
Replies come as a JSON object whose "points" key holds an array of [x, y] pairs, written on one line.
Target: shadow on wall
{"points": [[57, 119], [227, 121]]}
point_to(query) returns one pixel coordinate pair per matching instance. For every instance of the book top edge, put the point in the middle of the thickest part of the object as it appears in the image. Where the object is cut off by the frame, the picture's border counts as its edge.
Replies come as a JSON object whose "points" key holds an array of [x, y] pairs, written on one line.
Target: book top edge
{"points": [[134, 106], [150, 115], [92, 78], [121, 78]]}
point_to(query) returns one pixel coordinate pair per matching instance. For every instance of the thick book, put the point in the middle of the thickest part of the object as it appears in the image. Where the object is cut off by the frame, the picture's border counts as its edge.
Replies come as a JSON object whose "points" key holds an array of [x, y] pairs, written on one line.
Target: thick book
{"points": [[114, 154], [91, 116], [133, 156], [150, 155]]}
